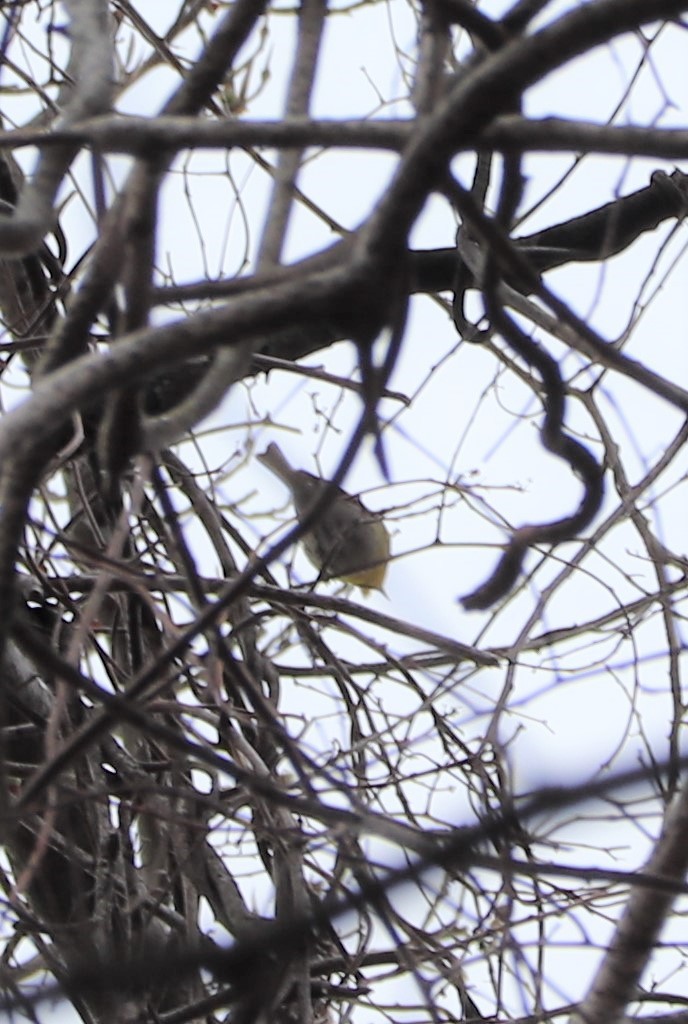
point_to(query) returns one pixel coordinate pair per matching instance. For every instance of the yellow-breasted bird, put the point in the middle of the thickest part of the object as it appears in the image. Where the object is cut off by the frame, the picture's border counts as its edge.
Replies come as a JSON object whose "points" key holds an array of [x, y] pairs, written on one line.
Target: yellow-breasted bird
{"points": [[348, 541]]}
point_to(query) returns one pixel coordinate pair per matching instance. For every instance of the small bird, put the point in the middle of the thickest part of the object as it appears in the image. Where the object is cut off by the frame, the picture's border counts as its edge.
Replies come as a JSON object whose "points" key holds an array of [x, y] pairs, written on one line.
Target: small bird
{"points": [[348, 542]]}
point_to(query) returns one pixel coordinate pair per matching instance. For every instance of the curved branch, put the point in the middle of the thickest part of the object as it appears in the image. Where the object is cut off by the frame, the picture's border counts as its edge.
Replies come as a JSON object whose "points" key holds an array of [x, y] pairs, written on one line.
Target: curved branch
{"points": [[554, 440], [87, 91], [616, 982], [487, 90], [25, 433]]}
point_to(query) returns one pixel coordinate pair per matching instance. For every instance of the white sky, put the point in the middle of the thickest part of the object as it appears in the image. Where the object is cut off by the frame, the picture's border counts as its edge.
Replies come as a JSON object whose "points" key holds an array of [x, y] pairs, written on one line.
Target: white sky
{"points": [[461, 424]]}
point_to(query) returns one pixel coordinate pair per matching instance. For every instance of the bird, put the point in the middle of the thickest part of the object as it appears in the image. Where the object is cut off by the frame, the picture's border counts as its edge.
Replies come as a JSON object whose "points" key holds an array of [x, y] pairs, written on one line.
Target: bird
{"points": [[348, 541]]}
